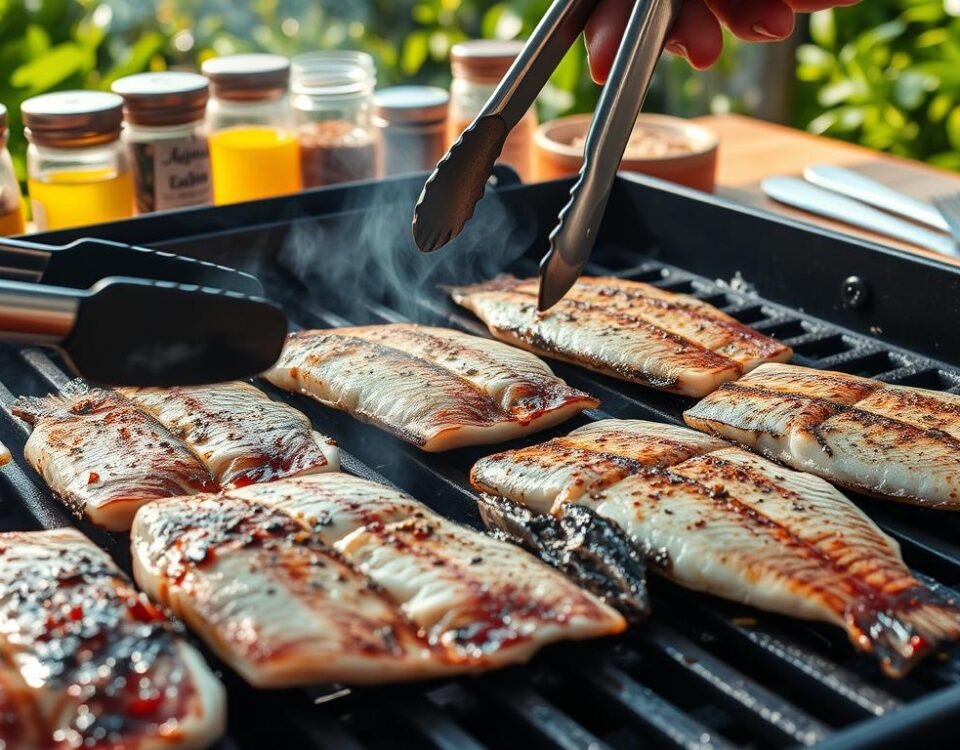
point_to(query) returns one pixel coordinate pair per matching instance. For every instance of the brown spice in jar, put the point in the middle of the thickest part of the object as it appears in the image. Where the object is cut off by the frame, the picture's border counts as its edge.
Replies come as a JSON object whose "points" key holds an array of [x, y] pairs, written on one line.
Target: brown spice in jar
{"points": [[335, 151]]}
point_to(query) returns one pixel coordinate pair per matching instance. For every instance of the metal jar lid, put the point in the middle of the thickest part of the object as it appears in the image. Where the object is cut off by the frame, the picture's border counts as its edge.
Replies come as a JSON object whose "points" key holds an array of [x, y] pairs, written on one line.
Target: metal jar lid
{"points": [[483, 60], [71, 119], [166, 98], [410, 105], [247, 77]]}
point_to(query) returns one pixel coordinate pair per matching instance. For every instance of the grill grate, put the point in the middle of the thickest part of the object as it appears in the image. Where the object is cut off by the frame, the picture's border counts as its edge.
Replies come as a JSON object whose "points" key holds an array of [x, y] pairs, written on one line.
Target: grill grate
{"points": [[703, 673]]}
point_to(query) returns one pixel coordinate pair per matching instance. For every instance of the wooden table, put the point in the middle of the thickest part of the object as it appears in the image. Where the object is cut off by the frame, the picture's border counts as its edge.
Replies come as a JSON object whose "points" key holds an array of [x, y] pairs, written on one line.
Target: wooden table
{"points": [[751, 150]]}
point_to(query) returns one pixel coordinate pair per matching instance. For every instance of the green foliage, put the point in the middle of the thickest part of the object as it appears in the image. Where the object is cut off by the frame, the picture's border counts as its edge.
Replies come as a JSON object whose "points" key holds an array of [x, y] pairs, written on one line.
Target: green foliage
{"points": [[885, 73]]}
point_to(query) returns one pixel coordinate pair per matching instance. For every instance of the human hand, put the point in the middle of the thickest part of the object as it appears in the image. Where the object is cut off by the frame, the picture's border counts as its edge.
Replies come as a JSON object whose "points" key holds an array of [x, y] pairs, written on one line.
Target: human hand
{"points": [[696, 34]]}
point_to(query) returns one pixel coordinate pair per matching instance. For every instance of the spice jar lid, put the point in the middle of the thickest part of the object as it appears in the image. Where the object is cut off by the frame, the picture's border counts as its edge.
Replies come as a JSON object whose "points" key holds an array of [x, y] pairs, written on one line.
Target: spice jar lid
{"points": [[411, 104], [70, 119], [167, 98], [247, 77], [483, 60]]}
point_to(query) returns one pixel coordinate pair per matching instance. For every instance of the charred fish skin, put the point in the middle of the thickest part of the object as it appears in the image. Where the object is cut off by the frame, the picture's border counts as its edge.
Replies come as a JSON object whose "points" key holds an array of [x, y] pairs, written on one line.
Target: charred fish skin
{"points": [[272, 600], [431, 387], [730, 523], [585, 547], [105, 457], [888, 441], [628, 330], [241, 434], [101, 666]]}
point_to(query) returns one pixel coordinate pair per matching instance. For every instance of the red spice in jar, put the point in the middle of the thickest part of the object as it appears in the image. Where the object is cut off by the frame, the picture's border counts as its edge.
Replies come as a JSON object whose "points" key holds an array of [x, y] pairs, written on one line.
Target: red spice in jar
{"points": [[335, 151]]}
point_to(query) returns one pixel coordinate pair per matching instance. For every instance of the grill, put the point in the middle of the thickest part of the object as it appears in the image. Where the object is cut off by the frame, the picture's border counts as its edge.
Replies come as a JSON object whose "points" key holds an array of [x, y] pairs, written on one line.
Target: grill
{"points": [[702, 673]]}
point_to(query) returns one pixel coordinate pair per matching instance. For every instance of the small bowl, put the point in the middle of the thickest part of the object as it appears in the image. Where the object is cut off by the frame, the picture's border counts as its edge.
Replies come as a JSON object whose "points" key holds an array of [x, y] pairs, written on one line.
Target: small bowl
{"points": [[679, 151]]}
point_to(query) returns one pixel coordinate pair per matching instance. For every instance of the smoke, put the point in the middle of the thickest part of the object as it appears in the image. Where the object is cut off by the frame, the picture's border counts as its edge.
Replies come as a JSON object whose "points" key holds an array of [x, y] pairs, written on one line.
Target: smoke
{"points": [[366, 255]]}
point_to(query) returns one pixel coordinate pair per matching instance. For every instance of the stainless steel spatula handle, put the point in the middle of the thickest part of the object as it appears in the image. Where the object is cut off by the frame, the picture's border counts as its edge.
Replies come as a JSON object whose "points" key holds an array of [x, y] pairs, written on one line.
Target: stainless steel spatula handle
{"points": [[573, 238]]}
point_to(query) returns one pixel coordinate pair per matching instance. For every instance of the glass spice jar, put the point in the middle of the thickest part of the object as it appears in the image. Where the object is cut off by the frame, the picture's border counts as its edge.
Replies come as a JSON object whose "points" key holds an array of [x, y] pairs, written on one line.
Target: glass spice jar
{"points": [[478, 66], [253, 147], [11, 204], [413, 127], [331, 99], [166, 139], [77, 172]]}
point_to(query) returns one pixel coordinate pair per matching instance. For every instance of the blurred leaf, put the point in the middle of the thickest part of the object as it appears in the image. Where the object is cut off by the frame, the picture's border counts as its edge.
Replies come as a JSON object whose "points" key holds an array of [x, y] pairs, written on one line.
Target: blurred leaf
{"points": [[415, 51], [138, 58], [823, 28], [53, 67], [953, 128]]}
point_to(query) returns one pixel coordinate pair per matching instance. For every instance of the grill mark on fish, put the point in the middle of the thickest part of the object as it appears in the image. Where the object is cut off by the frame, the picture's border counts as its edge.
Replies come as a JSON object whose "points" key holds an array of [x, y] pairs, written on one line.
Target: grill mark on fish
{"points": [[679, 361]]}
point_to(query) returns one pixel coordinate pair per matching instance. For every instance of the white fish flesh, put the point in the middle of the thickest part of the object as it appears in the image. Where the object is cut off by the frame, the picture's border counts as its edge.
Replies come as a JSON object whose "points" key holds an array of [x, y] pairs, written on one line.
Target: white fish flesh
{"points": [[241, 434], [625, 329], [715, 518], [436, 388], [87, 661], [349, 581], [884, 440]]}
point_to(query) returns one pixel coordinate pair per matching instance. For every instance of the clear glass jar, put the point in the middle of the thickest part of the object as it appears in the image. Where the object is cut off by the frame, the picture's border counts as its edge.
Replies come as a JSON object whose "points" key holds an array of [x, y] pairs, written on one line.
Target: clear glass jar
{"points": [[249, 127], [166, 139], [11, 202], [332, 94], [77, 171], [477, 66]]}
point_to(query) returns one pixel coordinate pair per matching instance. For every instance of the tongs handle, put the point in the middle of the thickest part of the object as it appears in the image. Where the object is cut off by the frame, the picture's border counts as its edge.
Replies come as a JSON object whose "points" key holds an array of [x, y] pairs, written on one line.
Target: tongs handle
{"points": [[542, 53], [35, 313], [613, 122]]}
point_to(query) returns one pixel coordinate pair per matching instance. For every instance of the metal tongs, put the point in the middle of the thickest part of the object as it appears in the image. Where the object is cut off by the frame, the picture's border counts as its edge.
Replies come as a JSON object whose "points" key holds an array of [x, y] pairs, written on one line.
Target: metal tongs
{"points": [[457, 184], [126, 315]]}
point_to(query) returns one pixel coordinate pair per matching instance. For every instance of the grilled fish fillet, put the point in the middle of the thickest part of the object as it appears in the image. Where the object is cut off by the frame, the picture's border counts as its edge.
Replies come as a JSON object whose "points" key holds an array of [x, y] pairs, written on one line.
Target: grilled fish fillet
{"points": [[625, 329], [716, 518], [485, 602], [88, 660], [329, 578], [885, 440], [105, 457], [241, 434], [436, 388], [274, 601]]}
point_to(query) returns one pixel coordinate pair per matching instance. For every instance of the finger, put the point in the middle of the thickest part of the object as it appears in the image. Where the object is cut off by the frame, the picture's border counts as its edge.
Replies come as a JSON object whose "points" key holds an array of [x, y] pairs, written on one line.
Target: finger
{"points": [[603, 34], [696, 35], [755, 20]]}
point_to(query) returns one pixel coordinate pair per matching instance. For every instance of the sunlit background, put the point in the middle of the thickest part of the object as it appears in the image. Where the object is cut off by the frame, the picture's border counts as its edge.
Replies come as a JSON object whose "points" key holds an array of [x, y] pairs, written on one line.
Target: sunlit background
{"points": [[884, 73]]}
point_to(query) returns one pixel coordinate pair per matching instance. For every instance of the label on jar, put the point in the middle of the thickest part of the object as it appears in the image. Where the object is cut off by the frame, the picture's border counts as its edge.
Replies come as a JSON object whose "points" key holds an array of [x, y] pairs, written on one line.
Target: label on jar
{"points": [[172, 174]]}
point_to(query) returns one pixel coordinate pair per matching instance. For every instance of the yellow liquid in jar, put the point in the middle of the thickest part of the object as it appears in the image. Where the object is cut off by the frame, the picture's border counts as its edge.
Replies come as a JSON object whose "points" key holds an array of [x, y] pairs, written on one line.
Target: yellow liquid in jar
{"points": [[254, 162], [73, 198], [12, 222]]}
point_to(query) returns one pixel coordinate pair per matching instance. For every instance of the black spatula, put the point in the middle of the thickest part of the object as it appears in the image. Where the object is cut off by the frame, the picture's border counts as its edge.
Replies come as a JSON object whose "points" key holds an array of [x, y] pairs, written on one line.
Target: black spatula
{"points": [[125, 331]]}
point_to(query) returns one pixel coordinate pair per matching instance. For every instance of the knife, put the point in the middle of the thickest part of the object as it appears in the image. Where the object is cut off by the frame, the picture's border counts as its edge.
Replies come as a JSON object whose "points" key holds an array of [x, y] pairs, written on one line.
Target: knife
{"points": [[793, 191], [869, 191]]}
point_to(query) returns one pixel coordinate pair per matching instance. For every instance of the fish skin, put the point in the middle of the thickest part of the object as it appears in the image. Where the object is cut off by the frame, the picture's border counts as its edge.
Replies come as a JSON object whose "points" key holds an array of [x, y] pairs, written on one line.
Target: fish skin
{"points": [[451, 599], [104, 457], [241, 434], [68, 617], [888, 441], [733, 524], [625, 329], [479, 391]]}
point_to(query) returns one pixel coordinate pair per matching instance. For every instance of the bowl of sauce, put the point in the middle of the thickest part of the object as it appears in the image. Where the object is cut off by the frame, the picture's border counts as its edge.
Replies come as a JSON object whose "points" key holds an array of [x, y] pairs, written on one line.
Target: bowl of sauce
{"points": [[670, 148]]}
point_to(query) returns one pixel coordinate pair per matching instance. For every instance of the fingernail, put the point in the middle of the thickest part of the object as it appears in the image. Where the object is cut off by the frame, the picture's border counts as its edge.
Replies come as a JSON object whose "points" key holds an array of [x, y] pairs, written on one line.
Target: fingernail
{"points": [[678, 49], [760, 30]]}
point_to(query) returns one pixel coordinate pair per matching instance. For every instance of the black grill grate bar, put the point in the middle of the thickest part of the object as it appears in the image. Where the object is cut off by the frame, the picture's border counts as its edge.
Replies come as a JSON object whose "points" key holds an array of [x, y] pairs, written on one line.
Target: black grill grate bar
{"points": [[643, 705], [433, 724], [794, 659], [537, 713], [901, 374], [41, 363], [738, 689]]}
